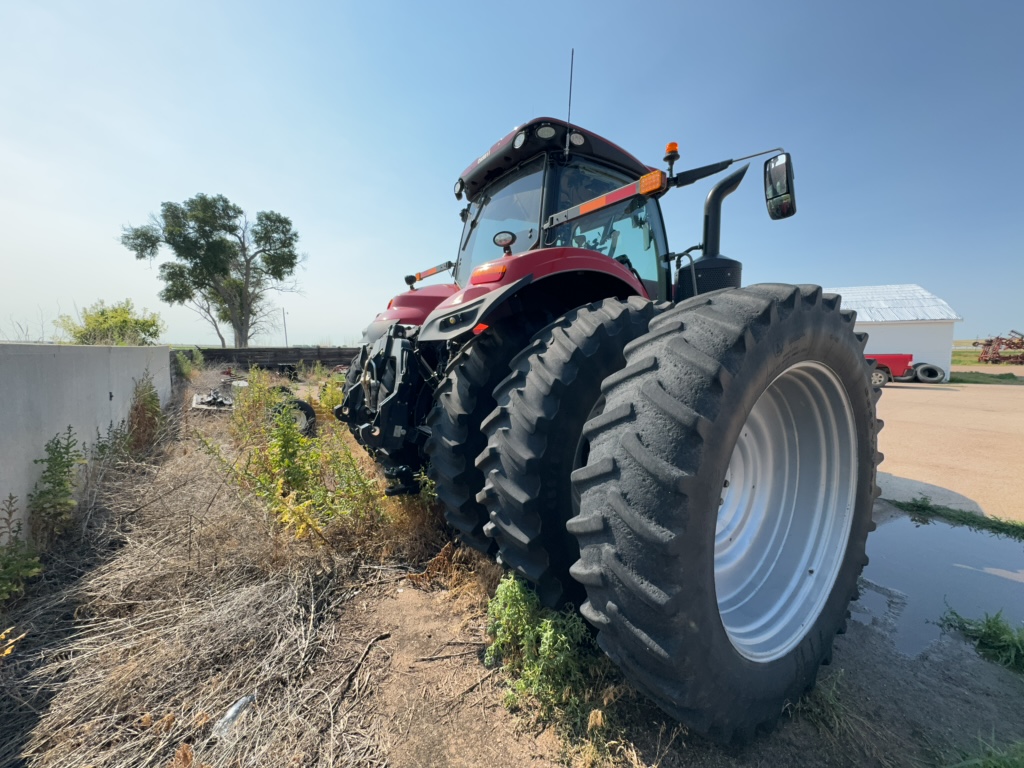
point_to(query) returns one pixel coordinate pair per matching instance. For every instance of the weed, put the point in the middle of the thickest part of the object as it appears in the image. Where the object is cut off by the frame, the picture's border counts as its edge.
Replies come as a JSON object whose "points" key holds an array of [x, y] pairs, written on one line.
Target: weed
{"points": [[145, 418], [549, 656], [18, 562], [52, 500], [307, 481], [993, 636], [183, 365], [189, 363], [428, 489], [921, 510]]}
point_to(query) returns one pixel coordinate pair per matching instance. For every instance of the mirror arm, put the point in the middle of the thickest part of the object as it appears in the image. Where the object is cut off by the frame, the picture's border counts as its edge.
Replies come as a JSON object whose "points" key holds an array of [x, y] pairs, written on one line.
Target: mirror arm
{"points": [[686, 178]]}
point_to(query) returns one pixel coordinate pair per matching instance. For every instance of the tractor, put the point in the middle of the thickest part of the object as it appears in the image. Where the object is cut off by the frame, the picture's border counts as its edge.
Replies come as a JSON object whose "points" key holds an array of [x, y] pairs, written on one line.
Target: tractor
{"points": [[688, 461]]}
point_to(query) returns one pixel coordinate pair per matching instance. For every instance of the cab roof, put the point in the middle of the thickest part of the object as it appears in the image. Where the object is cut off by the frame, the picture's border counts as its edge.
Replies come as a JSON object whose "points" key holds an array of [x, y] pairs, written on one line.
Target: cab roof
{"points": [[539, 135]]}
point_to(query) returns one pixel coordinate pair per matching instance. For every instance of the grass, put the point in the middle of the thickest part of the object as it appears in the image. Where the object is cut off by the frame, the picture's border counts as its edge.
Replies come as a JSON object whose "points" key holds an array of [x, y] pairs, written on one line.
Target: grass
{"points": [[921, 509], [1011, 756], [970, 356], [971, 377], [824, 708], [188, 591], [993, 636]]}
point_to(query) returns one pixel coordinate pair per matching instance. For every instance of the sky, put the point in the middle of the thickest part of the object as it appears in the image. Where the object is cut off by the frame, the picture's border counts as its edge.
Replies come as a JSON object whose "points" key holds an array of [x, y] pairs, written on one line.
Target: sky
{"points": [[355, 120]]}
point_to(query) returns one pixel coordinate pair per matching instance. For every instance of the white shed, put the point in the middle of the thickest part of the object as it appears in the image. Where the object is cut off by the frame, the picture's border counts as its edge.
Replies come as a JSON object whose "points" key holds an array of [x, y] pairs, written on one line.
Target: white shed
{"points": [[903, 318]]}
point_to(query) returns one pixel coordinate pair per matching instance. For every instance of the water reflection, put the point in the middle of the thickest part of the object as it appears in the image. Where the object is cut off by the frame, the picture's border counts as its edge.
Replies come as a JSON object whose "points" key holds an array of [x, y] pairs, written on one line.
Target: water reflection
{"points": [[919, 570]]}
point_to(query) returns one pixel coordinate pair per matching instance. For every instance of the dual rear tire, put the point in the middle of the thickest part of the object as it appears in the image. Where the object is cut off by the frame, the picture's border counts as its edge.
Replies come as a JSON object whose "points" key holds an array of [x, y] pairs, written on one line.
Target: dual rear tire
{"points": [[722, 461]]}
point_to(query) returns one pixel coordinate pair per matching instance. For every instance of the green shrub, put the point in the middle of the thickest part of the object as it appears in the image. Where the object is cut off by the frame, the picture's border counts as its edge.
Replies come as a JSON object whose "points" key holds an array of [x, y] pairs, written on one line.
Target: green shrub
{"points": [[145, 419], [189, 363], [52, 501], [18, 562], [549, 656], [307, 481]]}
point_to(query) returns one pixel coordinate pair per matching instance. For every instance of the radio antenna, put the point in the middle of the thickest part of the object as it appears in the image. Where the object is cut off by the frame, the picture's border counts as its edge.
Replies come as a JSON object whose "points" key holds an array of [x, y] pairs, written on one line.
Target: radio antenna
{"points": [[568, 117]]}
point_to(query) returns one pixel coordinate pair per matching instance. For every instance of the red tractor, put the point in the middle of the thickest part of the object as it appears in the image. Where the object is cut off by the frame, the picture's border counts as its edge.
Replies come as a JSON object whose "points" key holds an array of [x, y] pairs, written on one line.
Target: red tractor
{"points": [[690, 461]]}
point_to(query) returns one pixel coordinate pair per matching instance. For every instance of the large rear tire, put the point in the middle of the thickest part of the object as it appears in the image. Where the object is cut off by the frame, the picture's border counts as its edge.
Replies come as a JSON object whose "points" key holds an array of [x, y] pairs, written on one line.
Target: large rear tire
{"points": [[535, 439], [462, 402], [726, 503]]}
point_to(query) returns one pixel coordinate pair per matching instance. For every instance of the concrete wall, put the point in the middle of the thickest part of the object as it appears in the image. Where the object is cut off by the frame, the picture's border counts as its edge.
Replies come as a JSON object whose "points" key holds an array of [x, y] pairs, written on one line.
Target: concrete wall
{"points": [[928, 341], [44, 388]]}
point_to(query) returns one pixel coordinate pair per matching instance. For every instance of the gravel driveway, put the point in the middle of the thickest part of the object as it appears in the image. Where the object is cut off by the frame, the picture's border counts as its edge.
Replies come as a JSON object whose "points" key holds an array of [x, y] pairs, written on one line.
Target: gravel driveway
{"points": [[962, 445]]}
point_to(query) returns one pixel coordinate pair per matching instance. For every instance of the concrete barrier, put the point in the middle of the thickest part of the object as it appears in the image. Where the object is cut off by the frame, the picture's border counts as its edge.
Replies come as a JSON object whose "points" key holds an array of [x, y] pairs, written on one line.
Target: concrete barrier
{"points": [[44, 388]]}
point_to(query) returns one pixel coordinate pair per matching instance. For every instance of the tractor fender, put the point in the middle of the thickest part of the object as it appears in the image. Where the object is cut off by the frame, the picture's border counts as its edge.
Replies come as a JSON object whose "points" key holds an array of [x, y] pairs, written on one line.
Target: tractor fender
{"points": [[409, 308], [565, 277]]}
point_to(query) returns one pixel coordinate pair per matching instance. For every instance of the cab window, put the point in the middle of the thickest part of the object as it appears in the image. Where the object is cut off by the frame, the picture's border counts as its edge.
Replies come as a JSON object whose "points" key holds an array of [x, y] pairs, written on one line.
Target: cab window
{"points": [[629, 232]]}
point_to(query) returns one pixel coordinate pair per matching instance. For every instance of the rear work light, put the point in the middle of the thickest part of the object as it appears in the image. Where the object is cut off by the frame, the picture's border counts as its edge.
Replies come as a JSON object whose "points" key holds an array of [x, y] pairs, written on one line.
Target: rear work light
{"points": [[488, 273]]}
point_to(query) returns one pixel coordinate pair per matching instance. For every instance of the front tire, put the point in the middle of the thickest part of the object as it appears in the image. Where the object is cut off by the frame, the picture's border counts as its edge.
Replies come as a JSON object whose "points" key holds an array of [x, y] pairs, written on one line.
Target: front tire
{"points": [[535, 439], [462, 401], [727, 501]]}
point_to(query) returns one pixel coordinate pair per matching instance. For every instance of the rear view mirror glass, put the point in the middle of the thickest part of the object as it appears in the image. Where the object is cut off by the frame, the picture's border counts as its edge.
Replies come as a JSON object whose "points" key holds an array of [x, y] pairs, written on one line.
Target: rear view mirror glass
{"points": [[778, 186]]}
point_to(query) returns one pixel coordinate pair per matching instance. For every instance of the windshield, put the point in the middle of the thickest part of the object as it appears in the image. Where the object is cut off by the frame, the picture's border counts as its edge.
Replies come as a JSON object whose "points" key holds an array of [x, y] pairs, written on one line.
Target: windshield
{"points": [[511, 205]]}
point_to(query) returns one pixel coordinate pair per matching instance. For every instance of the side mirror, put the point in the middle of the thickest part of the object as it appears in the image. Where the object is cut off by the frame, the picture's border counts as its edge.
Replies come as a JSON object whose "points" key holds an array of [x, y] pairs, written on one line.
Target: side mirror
{"points": [[778, 186]]}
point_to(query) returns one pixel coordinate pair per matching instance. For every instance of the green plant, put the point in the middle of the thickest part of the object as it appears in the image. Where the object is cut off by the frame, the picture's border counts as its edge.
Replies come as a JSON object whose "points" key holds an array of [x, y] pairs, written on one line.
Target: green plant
{"points": [[549, 656], [306, 481], [331, 394], [18, 562], [117, 324], [52, 500], [922, 510], [145, 418], [993, 636], [224, 264], [188, 363]]}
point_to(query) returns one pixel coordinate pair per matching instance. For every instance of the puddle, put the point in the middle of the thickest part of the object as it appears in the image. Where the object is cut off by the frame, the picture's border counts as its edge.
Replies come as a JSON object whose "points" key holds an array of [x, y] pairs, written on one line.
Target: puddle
{"points": [[919, 570]]}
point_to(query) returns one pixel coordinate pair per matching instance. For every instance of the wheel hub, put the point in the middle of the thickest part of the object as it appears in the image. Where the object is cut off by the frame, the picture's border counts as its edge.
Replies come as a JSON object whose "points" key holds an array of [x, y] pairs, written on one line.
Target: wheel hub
{"points": [[785, 511]]}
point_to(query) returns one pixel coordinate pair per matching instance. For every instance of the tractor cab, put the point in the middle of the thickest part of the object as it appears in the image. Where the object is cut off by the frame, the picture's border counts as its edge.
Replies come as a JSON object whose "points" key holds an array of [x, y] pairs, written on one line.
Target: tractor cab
{"points": [[546, 167]]}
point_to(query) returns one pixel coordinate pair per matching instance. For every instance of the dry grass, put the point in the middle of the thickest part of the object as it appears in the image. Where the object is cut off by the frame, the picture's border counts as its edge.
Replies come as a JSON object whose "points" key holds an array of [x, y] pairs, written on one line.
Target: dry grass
{"points": [[182, 597]]}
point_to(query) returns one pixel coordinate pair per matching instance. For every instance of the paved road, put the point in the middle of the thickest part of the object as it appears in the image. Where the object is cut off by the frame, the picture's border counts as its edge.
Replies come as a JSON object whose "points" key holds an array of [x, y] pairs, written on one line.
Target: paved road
{"points": [[960, 444]]}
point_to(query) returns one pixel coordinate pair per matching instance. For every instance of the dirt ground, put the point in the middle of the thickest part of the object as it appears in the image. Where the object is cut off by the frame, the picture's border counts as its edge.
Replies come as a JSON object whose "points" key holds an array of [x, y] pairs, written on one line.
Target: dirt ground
{"points": [[873, 706], [385, 669], [958, 444]]}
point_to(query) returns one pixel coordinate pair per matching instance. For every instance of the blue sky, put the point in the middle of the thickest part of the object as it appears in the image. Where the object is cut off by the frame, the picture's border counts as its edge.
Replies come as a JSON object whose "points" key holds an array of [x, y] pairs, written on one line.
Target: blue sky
{"points": [[355, 119]]}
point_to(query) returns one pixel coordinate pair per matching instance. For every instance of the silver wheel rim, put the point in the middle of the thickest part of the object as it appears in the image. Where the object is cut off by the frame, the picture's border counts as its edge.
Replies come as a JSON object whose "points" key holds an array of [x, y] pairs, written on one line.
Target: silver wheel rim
{"points": [[877, 378], [786, 511]]}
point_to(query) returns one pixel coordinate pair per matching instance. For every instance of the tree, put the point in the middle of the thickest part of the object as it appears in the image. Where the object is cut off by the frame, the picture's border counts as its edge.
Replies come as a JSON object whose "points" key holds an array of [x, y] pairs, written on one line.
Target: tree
{"points": [[118, 324], [224, 266]]}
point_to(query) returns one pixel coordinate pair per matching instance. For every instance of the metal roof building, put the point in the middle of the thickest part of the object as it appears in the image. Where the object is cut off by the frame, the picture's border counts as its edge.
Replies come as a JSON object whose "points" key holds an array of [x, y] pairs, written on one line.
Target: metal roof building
{"points": [[901, 319]]}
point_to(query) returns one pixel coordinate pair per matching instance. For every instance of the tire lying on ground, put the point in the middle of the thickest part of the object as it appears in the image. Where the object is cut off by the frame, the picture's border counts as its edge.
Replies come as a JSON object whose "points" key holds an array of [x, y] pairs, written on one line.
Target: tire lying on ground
{"points": [[726, 502], [302, 412], [535, 440], [927, 373], [462, 402]]}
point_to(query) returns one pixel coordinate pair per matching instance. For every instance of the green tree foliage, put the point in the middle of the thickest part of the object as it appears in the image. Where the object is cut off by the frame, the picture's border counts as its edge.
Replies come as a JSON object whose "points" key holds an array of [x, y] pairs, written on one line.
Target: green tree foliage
{"points": [[223, 265], [118, 324]]}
